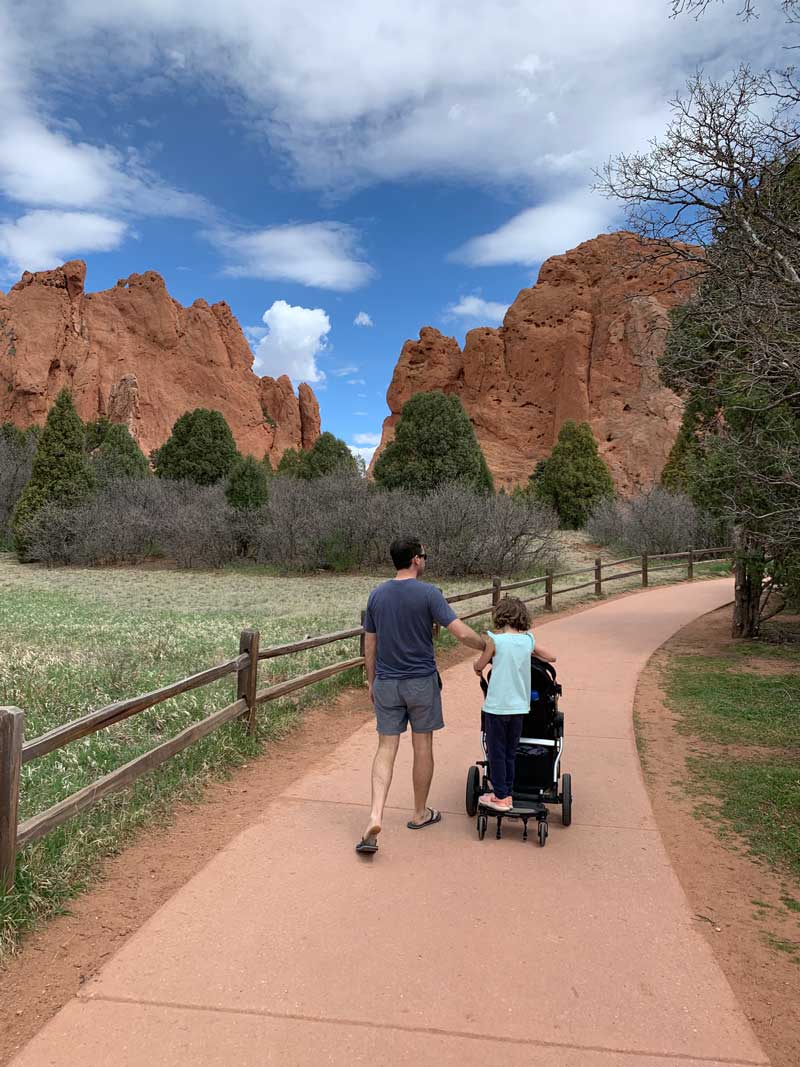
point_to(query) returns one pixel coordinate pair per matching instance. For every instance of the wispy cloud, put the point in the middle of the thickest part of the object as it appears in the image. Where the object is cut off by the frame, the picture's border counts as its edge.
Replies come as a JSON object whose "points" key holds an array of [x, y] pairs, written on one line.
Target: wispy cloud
{"points": [[545, 230], [475, 308], [343, 372], [362, 319], [319, 254], [356, 381], [39, 240]]}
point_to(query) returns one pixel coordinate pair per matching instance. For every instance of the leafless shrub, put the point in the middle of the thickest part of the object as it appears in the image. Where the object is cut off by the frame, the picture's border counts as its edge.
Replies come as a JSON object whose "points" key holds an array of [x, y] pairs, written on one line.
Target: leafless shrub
{"points": [[655, 521], [472, 533], [16, 461], [345, 523], [340, 522], [132, 519]]}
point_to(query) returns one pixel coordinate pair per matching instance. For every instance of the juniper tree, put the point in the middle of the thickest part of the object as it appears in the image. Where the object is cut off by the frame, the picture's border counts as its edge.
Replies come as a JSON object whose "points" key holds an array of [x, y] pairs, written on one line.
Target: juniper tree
{"points": [[248, 485], [434, 445], [119, 456], [574, 478], [60, 473], [201, 449]]}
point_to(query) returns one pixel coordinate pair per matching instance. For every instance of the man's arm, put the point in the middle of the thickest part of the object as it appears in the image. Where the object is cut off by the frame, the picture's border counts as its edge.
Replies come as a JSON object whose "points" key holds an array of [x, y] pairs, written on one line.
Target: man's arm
{"points": [[370, 649], [483, 660], [466, 635]]}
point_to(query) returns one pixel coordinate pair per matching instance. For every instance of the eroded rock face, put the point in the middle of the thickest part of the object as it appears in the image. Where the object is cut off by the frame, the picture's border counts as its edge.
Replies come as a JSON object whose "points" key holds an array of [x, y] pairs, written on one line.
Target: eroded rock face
{"points": [[138, 356], [583, 344]]}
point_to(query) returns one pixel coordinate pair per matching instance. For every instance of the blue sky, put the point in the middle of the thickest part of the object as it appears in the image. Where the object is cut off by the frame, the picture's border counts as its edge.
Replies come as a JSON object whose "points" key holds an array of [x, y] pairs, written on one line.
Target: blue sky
{"points": [[341, 175]]}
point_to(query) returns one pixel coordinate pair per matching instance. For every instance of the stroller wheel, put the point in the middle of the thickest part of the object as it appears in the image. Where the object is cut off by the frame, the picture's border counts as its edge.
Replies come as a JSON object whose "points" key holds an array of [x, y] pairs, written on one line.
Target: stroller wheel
{"points": [[482, 824], [473, 790], [566, 799], [542, 832]]}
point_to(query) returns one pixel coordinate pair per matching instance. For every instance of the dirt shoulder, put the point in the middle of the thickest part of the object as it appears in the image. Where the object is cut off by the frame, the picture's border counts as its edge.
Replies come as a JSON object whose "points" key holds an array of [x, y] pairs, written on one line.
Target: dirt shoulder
{"points": [[738, 903]]}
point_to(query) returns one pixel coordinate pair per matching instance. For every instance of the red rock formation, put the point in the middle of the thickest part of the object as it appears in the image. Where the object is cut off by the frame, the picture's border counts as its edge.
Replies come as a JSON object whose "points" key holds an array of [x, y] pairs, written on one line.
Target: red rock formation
{"points": [[136, 355], [581, 344]]}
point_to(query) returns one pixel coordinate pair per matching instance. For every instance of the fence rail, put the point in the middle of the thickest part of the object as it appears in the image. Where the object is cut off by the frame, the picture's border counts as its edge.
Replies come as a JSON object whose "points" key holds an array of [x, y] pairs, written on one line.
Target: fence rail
{"points": [[15, 752]]}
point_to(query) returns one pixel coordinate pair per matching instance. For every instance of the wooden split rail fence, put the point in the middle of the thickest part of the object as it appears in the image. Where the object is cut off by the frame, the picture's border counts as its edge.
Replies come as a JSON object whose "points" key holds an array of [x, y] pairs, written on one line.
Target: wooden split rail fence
{"points": [[15, 751]]}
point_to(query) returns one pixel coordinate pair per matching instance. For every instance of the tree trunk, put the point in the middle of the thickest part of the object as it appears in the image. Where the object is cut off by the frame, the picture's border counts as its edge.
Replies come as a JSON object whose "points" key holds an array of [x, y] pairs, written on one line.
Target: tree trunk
{"points": [[749, 570]]}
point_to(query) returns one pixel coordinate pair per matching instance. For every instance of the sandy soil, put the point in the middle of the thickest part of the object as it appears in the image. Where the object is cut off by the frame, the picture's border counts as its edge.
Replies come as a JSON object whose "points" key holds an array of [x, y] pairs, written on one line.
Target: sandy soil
{"points": [[735, 899]]}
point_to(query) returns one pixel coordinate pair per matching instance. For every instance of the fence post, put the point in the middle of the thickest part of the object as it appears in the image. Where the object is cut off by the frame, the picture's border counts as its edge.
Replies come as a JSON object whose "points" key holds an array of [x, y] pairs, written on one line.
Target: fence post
{"points": [[12, 728], [247, 679], [690, 565], [644, 569], [548, 592], [598, 577], [496, 583]]}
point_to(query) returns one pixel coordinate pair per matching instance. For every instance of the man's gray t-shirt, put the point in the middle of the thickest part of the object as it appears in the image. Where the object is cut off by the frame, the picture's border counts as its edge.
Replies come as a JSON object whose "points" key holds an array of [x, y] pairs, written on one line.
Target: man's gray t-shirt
{"points": [[402, 613]]}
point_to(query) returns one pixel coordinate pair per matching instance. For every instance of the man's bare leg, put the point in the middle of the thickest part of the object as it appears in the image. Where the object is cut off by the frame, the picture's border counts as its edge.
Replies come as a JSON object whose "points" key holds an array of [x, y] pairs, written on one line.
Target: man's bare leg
{"points": [[422, 775], [382, 770]]}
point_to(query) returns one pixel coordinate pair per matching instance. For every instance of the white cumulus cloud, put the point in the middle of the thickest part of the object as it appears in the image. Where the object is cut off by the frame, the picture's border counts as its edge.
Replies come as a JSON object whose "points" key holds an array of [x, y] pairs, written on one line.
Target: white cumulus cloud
{"points": [[479, 310], [366, 438], [320, 254], [296, 337], [40, 240], [545, 230], [362, 319]]}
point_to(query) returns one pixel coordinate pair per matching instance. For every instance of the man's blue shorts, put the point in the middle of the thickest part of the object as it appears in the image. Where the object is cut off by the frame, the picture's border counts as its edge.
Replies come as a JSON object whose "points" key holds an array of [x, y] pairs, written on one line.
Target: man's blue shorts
{"points": [[400, 701]]}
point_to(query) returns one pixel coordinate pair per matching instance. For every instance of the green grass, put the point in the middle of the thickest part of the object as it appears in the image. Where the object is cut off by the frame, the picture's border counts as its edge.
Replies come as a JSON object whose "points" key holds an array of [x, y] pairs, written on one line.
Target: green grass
{"points": [[722, 704], [755, 786], [759, 800]]}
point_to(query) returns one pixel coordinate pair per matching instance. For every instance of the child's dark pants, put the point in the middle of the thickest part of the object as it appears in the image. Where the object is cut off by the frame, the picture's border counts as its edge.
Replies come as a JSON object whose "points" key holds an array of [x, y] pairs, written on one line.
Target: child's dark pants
{"points": [[502, 738]]}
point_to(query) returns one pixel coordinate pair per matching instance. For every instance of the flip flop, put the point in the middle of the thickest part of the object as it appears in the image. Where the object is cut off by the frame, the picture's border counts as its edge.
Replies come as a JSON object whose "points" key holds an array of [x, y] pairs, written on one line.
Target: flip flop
{"points": [[367, 846], [435, 816]]}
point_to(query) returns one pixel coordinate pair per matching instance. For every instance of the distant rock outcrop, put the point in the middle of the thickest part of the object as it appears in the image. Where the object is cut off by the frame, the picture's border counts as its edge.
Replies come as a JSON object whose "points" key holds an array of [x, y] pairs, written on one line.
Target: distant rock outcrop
{"points": [[583, 344], [138, 356]]}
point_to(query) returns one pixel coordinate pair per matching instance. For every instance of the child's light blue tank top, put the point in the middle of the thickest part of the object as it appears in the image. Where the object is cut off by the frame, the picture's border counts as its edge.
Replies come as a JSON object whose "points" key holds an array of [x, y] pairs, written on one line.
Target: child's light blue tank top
{"points": [[510, 683]]}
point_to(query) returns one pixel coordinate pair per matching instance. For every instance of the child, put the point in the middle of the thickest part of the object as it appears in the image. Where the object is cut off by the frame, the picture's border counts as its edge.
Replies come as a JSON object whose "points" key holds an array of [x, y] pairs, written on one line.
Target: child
{"points": [[509, 695]]}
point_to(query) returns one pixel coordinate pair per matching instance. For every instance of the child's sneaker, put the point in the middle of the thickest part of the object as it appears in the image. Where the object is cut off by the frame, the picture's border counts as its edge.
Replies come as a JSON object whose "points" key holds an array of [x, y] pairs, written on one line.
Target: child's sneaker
{"points": [[491, 801]]}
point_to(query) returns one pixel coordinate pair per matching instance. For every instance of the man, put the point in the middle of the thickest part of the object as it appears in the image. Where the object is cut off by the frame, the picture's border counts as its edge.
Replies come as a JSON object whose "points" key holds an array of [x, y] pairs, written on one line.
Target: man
{"points": [[404, 685]]}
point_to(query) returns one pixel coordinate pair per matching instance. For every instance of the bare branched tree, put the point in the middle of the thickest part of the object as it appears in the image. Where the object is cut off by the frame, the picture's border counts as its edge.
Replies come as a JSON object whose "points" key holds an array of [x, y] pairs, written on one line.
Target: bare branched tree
{"points": [[749, 9], [721, 189]]}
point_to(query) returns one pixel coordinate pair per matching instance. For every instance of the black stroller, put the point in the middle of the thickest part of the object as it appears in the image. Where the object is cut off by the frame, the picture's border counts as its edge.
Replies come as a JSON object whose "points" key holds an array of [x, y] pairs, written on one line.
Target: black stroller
{"points": [[538, 766]]}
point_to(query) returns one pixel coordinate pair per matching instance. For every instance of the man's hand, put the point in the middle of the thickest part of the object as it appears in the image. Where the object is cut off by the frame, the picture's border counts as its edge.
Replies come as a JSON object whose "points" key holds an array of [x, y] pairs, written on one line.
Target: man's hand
{"points": [[371, 694], [476, 666]]}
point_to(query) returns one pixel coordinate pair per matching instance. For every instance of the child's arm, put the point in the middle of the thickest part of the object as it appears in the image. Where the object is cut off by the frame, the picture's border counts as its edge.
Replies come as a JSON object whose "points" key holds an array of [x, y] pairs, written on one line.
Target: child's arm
{"points": [[542, 653], [485, 657]]}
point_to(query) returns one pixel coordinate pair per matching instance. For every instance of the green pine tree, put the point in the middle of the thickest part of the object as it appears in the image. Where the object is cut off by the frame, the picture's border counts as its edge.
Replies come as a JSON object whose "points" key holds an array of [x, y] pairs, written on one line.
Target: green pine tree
{"points": [[248, 485], [328, 455], [201, 449], [574, 477], [434, 444], [96, 432], [61, 473], [119, 456], [289, 463]]}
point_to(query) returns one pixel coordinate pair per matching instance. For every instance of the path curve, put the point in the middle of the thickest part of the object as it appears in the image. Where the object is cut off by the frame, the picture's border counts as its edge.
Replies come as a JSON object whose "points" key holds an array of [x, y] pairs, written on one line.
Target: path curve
{"points": [[288, 949]]}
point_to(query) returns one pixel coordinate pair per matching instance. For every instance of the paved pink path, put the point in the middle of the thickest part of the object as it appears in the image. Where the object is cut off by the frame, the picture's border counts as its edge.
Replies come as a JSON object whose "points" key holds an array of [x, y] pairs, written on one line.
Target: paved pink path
{"points": [[287, 948]]}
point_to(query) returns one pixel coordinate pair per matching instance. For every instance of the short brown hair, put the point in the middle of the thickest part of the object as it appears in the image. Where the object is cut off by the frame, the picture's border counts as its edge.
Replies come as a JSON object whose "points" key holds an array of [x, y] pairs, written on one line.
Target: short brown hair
{"points": [[511, 612]]}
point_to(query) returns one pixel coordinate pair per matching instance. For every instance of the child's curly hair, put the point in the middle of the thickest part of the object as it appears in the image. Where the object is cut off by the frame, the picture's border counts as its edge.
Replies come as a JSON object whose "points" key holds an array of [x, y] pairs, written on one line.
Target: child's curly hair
{"points": [[511, 612]]}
